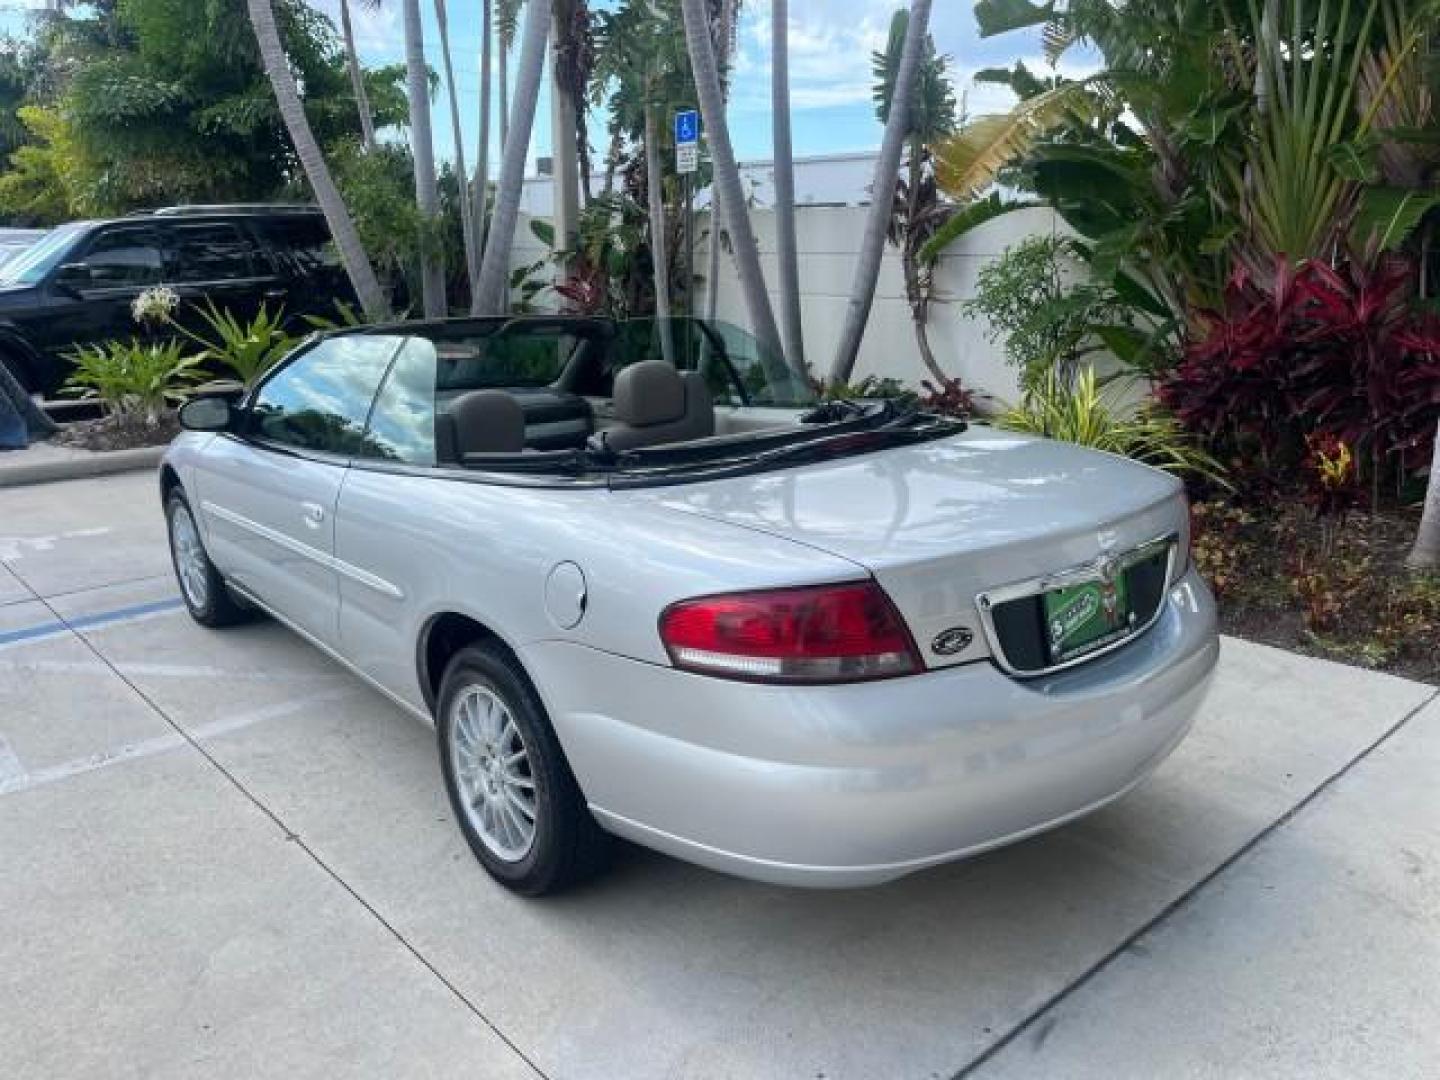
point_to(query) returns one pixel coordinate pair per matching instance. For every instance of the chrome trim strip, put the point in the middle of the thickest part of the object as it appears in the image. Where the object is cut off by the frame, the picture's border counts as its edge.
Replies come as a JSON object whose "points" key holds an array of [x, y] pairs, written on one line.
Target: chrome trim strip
{"points": [[251, 598], [986, 601], [315, 555]]}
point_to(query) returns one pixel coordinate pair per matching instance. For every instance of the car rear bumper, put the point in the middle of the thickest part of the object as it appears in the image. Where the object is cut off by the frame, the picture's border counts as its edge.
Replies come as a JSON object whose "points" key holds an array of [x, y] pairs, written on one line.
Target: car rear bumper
{"points": [[856, 785]]}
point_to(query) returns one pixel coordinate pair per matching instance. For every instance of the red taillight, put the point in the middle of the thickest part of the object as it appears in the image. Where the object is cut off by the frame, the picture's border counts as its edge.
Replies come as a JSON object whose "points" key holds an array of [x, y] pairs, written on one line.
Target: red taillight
{"points": [[820, 634]]}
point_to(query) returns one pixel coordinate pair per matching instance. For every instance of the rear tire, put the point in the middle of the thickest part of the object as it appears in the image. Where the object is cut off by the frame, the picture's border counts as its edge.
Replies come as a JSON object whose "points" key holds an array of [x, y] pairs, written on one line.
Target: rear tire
{"points": [[204, 591], [512, 791]]}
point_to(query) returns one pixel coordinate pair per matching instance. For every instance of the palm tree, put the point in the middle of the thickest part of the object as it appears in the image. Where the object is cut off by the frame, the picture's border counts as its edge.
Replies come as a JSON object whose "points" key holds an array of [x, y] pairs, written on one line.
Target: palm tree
{"points": [[462, 174], [357, 76], [918, 212], [785, 244], [342, 227], [507, 22], [724, 45], [659, 251], [882, 195], [700, 41], [481, 193], [1425, 555], [491, 295], [427, 188]]}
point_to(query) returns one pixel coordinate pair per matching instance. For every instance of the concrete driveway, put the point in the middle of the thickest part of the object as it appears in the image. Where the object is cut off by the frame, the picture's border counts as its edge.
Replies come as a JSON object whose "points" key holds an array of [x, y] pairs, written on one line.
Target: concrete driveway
{"points": [[220, 856]]}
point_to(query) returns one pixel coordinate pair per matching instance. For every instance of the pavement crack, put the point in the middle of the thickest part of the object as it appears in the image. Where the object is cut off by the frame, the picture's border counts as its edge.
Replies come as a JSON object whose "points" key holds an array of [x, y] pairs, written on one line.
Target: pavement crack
{"points": [[291, 836], [1040, 1023]]}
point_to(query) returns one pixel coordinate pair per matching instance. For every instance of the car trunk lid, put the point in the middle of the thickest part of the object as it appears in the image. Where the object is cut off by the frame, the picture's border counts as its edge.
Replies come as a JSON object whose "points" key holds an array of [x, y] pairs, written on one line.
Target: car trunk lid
{"points": [[940, 523]]}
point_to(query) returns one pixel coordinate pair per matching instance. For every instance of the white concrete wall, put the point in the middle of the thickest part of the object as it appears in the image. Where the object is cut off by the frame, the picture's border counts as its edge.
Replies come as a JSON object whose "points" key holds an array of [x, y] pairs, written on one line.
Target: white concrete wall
{"points": [[829, 239]]}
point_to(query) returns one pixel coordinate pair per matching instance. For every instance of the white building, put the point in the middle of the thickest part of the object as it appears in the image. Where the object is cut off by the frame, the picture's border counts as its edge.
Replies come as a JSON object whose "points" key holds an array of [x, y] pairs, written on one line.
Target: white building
{"points": [[824, 180]]}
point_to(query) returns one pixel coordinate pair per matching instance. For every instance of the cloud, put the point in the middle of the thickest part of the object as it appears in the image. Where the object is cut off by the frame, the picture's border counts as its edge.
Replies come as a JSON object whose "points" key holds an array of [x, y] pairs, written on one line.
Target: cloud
{"points": [[830, 49], [379, 36]]}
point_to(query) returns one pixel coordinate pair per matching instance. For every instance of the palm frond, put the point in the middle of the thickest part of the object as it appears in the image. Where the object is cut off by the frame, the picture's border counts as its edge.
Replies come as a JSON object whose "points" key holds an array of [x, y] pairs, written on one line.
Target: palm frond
{"points": [[967, 162]]}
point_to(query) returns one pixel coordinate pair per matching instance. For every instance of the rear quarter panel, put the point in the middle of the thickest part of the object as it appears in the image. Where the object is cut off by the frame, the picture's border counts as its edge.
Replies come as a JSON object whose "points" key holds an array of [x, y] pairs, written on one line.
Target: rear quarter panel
{"points": [[486, 551]]}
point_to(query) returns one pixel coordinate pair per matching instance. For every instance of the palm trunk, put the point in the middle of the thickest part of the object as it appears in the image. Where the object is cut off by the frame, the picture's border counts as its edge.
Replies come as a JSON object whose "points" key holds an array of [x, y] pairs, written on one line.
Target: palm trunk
{"points": [[659, 250], [481, 194], [1425, 555], [785, 243], [327, 195], [917, 286], [725, 33], [427, 189], [504, 59], [462, 172], [882, 197], [16, 398], [491, 296], [357, 79], [701, 47]]}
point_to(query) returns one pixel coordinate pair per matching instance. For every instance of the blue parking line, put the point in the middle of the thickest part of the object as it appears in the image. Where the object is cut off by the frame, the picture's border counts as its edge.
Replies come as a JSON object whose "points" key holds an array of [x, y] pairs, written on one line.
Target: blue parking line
{"points": [[100, 618]]}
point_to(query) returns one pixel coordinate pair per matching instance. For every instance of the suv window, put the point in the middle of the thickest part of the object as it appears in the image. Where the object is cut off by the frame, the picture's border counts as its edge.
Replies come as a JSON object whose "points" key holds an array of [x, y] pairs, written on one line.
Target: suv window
{"points": [[402, 424], [321, 401], [213, 252], [120, 258], [305, 240]]}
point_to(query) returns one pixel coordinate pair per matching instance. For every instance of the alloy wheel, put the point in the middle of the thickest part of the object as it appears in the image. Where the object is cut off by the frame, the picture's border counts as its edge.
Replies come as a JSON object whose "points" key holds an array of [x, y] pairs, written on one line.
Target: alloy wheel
{"points": [[492, 767], [190, 560]]}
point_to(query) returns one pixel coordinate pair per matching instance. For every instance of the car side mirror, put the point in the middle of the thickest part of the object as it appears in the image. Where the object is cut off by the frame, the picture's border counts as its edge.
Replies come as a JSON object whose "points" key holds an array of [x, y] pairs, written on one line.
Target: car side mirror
{"points": [[207, 414], [72, 278]]}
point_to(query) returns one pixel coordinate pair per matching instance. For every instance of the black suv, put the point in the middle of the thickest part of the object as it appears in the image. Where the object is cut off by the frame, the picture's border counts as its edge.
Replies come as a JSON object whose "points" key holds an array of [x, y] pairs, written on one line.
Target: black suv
{"points": [[76, 285]]}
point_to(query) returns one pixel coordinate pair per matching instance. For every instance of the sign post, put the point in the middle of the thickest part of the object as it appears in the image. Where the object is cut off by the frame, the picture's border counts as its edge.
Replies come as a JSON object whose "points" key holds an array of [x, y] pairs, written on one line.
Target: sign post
{"points": [[687, 164]]}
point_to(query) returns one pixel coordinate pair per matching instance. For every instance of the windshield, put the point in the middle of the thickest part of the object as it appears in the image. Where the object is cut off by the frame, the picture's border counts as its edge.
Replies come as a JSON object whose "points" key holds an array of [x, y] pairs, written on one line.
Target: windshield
{"points": [[562, 399], [737, 368], [519, 356], [31, 266]]}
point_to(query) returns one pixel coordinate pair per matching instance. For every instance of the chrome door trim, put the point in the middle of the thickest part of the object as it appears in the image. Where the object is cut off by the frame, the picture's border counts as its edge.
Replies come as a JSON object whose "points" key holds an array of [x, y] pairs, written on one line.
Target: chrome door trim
{"points": [[251, 598], [1095, 570], [315, 555]]}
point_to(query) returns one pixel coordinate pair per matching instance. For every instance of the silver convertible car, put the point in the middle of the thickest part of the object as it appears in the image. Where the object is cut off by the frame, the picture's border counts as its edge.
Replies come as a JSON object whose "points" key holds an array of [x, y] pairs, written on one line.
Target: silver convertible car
{"points": [[647, 586]]}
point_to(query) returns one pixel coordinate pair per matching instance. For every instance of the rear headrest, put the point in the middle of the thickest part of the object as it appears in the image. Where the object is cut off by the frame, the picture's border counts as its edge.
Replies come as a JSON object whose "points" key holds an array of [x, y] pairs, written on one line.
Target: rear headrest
{"points": [[650, 392], [488, 422]]}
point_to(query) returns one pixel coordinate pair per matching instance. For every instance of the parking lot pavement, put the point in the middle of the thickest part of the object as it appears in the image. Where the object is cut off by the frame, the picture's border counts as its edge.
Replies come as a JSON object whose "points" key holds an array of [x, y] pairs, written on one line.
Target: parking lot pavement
{"points": [[225, 857]]}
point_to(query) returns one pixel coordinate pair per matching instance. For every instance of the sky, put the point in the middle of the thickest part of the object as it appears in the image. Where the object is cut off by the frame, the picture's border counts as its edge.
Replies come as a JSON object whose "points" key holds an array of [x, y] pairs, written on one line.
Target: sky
{"points": [[831, 42]]}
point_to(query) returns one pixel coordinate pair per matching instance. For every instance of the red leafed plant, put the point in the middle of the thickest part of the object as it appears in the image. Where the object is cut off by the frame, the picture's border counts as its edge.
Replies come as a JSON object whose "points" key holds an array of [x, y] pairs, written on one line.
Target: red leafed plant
{"points": [[582, 291], [1314, 351], [950, 398]]}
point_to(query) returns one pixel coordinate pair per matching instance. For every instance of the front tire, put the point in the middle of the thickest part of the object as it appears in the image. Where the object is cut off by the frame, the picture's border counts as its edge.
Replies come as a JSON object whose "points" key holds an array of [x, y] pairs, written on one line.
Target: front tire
{"points": [[204, 591], [512, 791]]}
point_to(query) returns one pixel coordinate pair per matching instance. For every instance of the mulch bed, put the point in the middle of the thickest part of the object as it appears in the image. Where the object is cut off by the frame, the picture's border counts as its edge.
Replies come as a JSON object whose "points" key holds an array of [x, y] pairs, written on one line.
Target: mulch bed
{"points": [[117, 433], [1336, 589]]}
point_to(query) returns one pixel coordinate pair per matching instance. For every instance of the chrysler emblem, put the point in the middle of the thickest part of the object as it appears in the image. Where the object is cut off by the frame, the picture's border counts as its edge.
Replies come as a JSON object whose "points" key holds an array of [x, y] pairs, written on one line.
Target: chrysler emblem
{"points": [[955, 640]]}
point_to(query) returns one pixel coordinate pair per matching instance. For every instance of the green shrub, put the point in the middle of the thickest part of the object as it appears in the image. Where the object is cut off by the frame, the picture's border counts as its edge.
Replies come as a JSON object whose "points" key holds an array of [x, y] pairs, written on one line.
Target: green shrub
{"points": [[1087, 414], [870, 388], [1038, 304], [247, 349], [134, 380]]}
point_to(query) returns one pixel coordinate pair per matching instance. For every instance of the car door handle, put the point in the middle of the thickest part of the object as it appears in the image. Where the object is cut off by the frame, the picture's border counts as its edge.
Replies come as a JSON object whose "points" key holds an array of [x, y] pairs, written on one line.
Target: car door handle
{"points": [[314, 514], [276, 294]]}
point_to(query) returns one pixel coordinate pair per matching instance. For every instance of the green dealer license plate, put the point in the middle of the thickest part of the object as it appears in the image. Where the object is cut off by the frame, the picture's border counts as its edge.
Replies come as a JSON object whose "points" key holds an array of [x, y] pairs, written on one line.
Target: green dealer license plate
{"points": [[1082, 618]]}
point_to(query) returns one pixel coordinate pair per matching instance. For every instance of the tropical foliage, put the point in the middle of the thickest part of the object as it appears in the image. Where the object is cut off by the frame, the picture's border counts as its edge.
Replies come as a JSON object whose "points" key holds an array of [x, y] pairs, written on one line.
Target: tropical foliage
{"points": [[1086, 413], [147, 102], [1296, 354], [136, 381], [1254, 184], [247, 349]]}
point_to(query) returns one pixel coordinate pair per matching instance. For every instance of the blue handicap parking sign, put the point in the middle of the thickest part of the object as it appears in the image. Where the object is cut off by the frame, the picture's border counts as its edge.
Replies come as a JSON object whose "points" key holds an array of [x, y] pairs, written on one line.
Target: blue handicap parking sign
{"points": [[687, 126]]}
